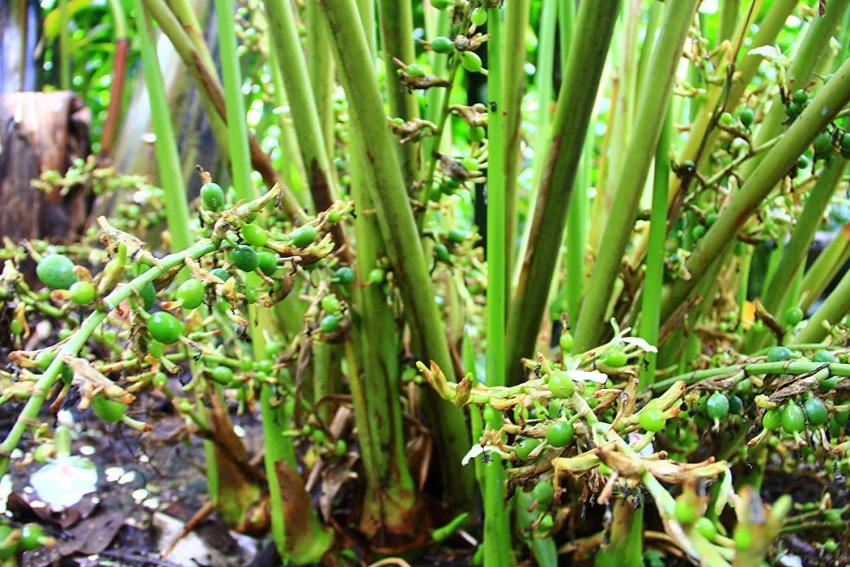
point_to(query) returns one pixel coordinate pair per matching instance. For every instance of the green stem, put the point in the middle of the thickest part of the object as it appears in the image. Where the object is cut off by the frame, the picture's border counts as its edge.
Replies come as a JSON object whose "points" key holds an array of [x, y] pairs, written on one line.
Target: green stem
{"points": [[64, 46], [654, 101], [831, 312], [398, 227], [825, 267], [818, 114], [543, 80], [729, 12], [594, 29], [321, 67], [654, 278], [171, 177]]}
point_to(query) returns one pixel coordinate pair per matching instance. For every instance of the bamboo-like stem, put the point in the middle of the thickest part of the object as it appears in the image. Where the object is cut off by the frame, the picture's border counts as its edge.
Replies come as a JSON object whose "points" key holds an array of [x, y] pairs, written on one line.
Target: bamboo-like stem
{"points": [[213, 99], [806, 60], [116, 88], [653, 105], [818, 114], [64, 46], [594, 28], [290, 159], [794, 254], [826, 266], [654, 278], [497, 552], [513, 87], [320, 64], [171, 178], [399, 231], [831, 312], [305, 114], [396, 18], [543, 81], [184, 11], [656, 12], [729, 13]]}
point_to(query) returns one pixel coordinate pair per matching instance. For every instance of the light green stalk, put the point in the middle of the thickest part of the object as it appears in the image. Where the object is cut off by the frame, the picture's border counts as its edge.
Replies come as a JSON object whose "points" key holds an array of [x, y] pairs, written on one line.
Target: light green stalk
{"points": [[171, 177], [729, 12], [831, 312], [321, 67], [543, 79], [825, 267], [398, 227], [64, 46], [653, 106], [595, 26], [397, 41], [818, 114], [654, 278]]}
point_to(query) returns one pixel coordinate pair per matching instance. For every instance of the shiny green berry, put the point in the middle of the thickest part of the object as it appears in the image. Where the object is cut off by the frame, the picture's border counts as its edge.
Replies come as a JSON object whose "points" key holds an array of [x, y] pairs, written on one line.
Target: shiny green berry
{"points": [[377, 276], [82, 293], [441, 4], [823, 356], [772, 419], [652, 419], [329, 324], [108, 410], [56, 271], [221, 274], [566, 341], [478, 16], [471, 62], [684, 510], [706, 528], [793, 315], [823, 145], [32, 536], [441, 253], [344, 275], [793, 418], [255, 235], [191, 293], [304, 236], [244, 258], [457, 236], [148, 295], [615, 358], [441, 44], [801, 97], [165, 327], [816, 412], [213, 196], [559, 434], [476, 133], [330, 303], [267, 262], [717, 406], [415, 70], [561, 385], [159, 380], [544, 493], [222, 374], [525, 446], [779, 354], [747, 117]]}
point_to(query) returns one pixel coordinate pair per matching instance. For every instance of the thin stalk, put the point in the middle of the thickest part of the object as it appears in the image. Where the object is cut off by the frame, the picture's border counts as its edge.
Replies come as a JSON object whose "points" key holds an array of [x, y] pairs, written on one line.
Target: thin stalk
{"points": [[817, 115], [543, 83], [116, 88], [291, 168], [577, 239], [398, 227], [64, 46], [594, 28], [184, 11], [513, 87], [237, 128], [321, 67], [825, 267], [795, 252], [656, 11], [654, 101], [396, 18], [171, 178], [831, 312], [497, 552], [654, 277]]}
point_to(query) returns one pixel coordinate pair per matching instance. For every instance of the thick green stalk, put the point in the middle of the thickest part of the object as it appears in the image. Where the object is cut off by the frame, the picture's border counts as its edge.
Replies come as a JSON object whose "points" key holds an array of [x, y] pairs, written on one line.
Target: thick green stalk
{"points": [[826, 266], [497, 551], [513, 71], [291, 168], [543, 80], [653, 106], [305, 114], [64, 46], [832, 311], [654, 277], [171, 178], [806, 60], [729, 13], [656, 12], [321, 66], [795, 252], [818, 114], [184, 11], [589, 50], [398, 227], [397, 41]]}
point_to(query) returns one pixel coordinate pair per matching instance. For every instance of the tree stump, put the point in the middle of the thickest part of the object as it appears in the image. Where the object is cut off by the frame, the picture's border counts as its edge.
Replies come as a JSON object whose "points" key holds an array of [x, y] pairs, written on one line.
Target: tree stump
{"points": [[41, 132]]}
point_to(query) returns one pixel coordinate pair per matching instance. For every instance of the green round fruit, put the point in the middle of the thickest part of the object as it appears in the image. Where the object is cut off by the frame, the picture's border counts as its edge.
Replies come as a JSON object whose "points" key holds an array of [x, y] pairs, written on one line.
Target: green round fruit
{"points": [[469, 164], [267, 262], [525, 446], [341, 448], [255, 235], [56, 271], [222, 374], [614, 358], [560, 433], [377, 276], [329, 324], [747, 117], [475, 133], [793, 315], [544, 493], [698, 231], [415, 70], [736, 405], [772, 419], [108, 410], [165, 327], [561, 385], [441, 253], [82, 293], [830, 546], [159, 380], [824, 356], [779, 354], [828, 384], [793, 110], [685, 511], [478, 16], [841, 418], [566, 341], [155, 348], [793, 418], [717, 406], [803, 162], [148, 295], [457, 236], [743, 538], [191, 293], [318, 437], [330, 303], [707, 528], [471, 62], [304, 236], [220, 273], [441, 4], [244, 258], [344, 275], [652, 419], [44, 359], [816, 412], [823, 145], [801, 97], [441, 44], [213, 196]]}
